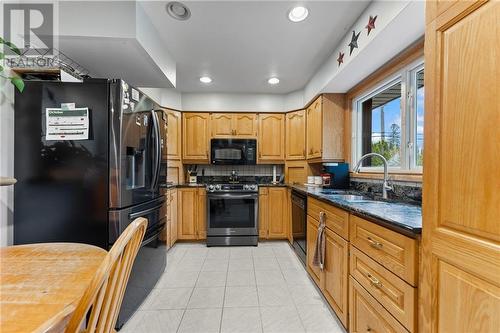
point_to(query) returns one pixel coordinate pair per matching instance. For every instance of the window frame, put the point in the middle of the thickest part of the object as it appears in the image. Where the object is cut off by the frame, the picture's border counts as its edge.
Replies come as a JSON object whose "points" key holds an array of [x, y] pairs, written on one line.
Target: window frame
{"points": [[405, 76]]}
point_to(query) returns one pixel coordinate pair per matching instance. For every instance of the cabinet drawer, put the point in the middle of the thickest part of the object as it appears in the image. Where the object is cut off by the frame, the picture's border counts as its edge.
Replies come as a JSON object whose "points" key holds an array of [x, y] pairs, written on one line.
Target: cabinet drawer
{"points": [[367, 315], [397, 296], [336, 219], [394, 251]]}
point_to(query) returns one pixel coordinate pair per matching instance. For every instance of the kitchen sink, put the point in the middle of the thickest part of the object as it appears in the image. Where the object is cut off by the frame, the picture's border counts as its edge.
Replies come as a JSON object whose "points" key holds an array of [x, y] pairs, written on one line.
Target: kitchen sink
{"points": [[354, 198]]}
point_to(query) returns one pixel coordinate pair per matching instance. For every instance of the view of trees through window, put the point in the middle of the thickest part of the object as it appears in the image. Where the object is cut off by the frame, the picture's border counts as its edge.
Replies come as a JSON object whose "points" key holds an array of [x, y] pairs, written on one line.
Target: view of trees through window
{"points": [[381, 126]]}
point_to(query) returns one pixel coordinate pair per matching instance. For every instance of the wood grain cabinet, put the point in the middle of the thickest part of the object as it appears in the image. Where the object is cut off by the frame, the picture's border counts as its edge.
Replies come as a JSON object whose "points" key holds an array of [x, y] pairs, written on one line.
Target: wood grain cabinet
{"points": [[271, 142], [312, 236], [295, 141], [273, 213], [296, 172], [170, 232], [460, 282], [195, 137], [191, 214], [325, 128], [174, 135], [228, 125]]}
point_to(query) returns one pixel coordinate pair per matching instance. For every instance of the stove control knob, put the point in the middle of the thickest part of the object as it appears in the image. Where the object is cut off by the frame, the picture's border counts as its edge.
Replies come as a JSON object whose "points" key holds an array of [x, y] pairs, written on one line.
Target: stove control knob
{"points": [[211, 188], [246, 187], [217, 187], [253, 187]]}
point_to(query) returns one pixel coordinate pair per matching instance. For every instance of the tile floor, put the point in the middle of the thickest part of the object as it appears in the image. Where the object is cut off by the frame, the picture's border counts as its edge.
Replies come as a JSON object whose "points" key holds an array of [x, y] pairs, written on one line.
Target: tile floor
{"points": [[234, 289]]}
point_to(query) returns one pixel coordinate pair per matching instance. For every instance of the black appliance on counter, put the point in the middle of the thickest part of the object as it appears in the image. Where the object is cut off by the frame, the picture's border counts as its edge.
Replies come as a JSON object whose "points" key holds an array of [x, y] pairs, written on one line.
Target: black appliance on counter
{"points": [[339, 174], [232, 214], [299, 224], [233, 151], [89, 189]]}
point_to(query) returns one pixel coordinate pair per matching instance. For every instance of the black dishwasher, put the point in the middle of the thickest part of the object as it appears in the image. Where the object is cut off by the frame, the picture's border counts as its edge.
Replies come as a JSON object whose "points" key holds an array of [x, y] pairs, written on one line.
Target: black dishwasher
{"points": [[299, 227]]}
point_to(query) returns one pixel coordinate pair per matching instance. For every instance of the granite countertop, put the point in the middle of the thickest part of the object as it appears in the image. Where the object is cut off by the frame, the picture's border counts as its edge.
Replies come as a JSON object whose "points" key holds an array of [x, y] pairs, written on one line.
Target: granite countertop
{"points": [[400, 217]]}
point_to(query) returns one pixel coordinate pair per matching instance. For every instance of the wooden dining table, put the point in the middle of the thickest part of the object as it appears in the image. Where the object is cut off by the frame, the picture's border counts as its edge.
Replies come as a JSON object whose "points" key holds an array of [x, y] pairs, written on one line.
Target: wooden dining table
{"points": [[41, 284]]}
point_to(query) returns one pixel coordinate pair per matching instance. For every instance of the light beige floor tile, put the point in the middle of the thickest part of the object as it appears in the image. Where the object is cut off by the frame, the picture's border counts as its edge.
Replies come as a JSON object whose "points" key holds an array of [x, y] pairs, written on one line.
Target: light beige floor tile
{"points": [[305, 295], [240, 278], [167, 299], [296, 277], [263, 251], [176, 279], [241, 264], [188, 265], [201, 321], [211, 279], [274, 296], [156, 321], [271, 277], [265, 263], [289, 263], [212, 265], [280, 320], [241, 296], [318, 319], [283, 252], [241, 320], [206, 298], [240, 252], [218, 253]]}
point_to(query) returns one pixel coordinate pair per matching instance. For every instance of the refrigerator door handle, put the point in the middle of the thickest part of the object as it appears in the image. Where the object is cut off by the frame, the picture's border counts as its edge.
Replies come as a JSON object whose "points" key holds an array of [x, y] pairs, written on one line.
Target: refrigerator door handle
{"points": [[144, 212], [157, 143]]}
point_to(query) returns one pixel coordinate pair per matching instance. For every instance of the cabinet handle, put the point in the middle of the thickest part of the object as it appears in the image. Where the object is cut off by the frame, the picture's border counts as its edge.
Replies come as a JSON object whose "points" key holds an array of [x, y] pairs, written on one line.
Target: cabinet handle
{"points": [[322, 218], [374, 243], [374, 281]]}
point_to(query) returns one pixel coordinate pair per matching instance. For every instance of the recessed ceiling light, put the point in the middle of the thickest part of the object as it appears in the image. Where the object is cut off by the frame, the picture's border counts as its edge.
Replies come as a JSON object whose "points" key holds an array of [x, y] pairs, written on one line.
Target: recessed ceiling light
{"points": [[205, 79], [273, 80], [297, 14], [178, 11]]}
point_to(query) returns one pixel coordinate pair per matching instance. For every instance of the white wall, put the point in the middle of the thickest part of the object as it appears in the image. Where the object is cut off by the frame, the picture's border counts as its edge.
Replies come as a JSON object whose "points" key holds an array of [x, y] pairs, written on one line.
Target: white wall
{"points": [[6, 161]]}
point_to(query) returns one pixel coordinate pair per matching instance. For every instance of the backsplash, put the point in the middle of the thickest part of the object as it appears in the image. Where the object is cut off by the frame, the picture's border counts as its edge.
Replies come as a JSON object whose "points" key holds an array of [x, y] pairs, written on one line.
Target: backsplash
{"points": [[410, 192], [243, 170]]}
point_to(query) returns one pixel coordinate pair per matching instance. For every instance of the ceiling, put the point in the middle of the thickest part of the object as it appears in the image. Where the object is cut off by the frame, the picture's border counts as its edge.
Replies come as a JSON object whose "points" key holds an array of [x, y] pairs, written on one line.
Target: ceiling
{"points": [[240, 44]]}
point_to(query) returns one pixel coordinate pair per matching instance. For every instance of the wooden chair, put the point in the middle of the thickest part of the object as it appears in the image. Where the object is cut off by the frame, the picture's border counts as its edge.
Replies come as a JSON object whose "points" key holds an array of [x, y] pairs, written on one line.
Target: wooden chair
{"points": [[104, 295]]}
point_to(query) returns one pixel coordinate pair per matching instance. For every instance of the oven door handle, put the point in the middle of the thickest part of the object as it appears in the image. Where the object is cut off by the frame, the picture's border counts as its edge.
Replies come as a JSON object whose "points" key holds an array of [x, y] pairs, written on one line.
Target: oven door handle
{"points": [[232, 196]]}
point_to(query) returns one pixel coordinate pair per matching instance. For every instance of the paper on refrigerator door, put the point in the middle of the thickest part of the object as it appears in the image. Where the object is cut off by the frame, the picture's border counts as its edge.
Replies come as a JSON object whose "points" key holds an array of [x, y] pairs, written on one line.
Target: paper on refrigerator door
{"points": [[67, 124]]}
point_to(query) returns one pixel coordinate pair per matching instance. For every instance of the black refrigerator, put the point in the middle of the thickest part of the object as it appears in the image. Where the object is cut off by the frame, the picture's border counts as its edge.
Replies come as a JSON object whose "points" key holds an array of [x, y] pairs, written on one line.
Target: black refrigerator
{"points": [[88, 160]]}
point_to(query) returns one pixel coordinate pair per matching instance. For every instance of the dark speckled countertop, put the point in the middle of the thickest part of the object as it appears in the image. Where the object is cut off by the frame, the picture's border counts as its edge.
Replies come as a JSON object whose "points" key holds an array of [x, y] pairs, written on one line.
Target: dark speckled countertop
{"points": [[400, 217]]}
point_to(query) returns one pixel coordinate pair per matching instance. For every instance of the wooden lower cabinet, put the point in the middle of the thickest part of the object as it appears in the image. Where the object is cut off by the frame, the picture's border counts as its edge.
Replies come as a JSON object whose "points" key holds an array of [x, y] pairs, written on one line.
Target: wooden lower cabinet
{"points": [[173, 216], [367, 315], [273, 213], [191, 217], [335, 274], [312, 235]]}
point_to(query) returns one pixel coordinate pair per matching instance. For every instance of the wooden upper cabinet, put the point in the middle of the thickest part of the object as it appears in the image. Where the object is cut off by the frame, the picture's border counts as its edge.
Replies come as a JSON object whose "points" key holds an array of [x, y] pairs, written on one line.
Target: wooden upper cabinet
{"points": [[227, 125], [325, 128], [195, 137], [245, 125], [174, 135], [221, 125], [295, 142], [460, 284], [271, 142]]}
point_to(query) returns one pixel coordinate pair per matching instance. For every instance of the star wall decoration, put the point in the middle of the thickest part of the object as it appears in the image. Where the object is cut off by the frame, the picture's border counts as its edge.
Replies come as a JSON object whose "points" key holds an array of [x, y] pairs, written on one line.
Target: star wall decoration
{"points": [[354, 42], [340, 59], [371, 23]]}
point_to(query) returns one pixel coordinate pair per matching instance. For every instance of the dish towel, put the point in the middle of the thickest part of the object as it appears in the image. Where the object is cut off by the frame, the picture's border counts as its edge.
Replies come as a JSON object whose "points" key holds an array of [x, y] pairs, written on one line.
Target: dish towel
{"points": [[319, 249]]}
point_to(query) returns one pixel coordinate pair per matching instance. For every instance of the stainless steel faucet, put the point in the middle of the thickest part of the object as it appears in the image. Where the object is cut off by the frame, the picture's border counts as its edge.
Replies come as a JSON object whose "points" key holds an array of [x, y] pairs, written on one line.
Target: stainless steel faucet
{"points": [[385, 186]]}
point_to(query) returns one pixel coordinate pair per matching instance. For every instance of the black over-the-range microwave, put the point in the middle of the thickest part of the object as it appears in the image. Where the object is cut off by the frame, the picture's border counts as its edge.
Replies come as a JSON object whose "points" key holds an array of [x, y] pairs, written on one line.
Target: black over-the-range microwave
{"points": [[233, 151]]}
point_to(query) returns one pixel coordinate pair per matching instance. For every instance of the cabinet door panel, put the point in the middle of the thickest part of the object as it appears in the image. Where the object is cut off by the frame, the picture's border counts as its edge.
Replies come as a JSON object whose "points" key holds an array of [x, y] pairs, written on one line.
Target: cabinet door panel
{"points": [[245, 125], [312, 235], [336, 274], [187, 213], [195, 137], [314, 120], [174, 135], [173, 215], [460, 289], [201, 218], [263, 212], [296, 135], [271, 143], [221, 125], [277, 213]]}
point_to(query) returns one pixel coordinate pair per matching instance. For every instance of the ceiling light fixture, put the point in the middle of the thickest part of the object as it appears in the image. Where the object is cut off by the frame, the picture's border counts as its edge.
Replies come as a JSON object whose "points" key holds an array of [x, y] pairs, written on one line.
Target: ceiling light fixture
{"points": [[205, 79], [298, 14], [178, 11], [273, 80]]}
